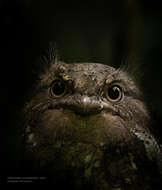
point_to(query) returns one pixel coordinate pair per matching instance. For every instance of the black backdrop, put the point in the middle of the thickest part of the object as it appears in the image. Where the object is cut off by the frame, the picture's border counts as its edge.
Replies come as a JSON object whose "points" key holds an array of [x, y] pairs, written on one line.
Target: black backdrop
{"points": [[93, 32]]}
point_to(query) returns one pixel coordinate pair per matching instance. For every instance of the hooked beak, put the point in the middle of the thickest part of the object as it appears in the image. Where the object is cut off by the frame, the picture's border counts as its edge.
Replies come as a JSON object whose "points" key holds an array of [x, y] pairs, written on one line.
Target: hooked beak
{"points": [[84, 105]]}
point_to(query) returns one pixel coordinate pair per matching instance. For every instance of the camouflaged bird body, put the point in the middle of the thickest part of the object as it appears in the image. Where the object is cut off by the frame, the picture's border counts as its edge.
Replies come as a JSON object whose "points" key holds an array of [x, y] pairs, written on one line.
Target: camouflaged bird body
{"points": [[85, 141]]}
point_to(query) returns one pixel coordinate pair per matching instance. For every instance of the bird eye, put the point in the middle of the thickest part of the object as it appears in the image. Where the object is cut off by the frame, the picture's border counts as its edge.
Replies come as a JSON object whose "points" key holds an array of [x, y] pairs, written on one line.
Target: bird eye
{"points": [[114, 93], [58, 88]]}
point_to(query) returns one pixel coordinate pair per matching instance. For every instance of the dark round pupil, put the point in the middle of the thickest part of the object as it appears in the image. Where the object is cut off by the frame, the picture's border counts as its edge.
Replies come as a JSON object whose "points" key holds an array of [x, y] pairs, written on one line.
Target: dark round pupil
{"points": [[114, 92], [58, 88]]}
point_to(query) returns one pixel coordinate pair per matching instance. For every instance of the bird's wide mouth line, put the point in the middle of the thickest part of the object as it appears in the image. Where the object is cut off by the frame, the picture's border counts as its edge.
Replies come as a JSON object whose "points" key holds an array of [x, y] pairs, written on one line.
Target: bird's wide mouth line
{"points": [[84, 112]]}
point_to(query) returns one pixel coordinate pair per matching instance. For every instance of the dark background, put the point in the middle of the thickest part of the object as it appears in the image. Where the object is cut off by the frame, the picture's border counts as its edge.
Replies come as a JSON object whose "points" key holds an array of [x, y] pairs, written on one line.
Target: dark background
{"points": [[90, 32]]}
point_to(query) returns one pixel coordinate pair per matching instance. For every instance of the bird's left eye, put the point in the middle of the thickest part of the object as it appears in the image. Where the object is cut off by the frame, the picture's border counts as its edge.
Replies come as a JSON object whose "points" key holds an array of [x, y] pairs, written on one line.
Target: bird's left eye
{"points": [[114, 93], [58, 88]]}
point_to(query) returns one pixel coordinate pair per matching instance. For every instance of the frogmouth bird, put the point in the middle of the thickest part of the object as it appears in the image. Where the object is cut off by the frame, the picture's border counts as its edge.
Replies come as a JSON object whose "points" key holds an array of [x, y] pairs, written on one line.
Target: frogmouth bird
{"points": [[87, 126]]}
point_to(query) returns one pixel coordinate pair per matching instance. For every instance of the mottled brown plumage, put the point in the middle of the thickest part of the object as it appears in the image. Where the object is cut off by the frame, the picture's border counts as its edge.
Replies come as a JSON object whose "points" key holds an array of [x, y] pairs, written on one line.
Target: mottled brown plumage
{"points": [[87, 127]]}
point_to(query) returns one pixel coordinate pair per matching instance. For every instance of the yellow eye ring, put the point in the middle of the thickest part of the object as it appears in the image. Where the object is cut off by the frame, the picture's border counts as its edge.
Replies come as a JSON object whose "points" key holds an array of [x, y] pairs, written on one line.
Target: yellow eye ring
{"points": [[113, 93], [58, 88]]}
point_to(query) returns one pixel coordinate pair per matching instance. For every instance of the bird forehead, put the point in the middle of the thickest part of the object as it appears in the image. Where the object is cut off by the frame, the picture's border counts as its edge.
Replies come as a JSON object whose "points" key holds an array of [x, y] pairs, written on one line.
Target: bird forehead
{"points": [[84, 70], [90, 68]]}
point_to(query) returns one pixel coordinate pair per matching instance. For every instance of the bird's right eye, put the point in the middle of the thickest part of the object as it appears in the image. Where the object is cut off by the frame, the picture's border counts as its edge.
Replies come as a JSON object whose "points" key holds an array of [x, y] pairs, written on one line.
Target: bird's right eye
{"points": [[114, 93], [58, 88]]}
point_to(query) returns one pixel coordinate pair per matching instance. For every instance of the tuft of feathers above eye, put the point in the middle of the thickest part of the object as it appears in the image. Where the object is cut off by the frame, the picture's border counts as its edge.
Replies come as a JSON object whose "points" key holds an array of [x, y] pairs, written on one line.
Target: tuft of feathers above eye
{"points": [[134, 66], [46, 60]]}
